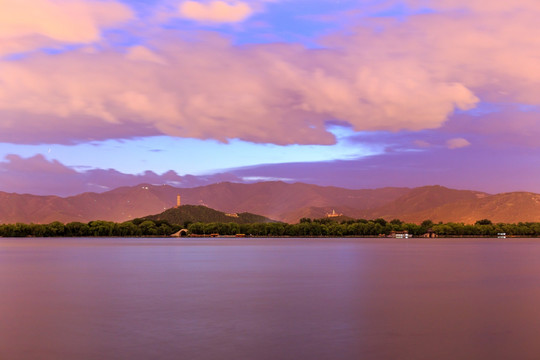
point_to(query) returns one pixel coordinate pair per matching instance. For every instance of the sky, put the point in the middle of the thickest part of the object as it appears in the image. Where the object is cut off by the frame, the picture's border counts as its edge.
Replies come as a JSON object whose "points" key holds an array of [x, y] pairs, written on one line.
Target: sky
{"points": [[97, 94]]}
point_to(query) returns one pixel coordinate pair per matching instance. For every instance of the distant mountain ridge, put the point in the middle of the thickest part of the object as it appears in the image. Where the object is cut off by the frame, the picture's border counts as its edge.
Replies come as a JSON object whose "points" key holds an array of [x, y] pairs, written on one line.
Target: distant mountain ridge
{"points": [[279, 201]]}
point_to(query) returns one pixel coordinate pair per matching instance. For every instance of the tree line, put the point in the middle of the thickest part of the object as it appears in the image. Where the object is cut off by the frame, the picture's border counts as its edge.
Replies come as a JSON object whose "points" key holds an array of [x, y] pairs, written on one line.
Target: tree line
{"points": [[137, 227], [361, 227], [306, 227]]}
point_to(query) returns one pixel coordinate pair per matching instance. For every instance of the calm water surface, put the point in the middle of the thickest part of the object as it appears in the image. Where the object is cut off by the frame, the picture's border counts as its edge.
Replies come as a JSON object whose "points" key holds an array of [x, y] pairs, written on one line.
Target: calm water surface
{"points": [[269, 299]]}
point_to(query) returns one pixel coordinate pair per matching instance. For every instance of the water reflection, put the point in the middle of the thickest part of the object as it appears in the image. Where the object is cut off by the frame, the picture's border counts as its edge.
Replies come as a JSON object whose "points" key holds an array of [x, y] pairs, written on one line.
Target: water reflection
{"points": [[269, 299]]}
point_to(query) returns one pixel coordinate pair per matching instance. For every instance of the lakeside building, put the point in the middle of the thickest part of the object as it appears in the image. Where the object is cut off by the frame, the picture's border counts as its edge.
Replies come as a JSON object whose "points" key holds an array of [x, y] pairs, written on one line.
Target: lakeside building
{"points": [[333, 214], [430, 234], [400, 234]]}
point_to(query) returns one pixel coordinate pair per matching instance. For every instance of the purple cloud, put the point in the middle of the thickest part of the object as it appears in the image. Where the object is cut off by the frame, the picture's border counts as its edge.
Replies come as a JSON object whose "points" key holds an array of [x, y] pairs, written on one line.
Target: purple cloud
{"points": [[39, 176], [489, 170]]}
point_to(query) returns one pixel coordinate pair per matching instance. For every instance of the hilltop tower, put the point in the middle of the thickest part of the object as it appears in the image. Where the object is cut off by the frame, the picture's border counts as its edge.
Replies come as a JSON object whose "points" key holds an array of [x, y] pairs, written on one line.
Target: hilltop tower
{"points": [[333, 214], [178, 201]]}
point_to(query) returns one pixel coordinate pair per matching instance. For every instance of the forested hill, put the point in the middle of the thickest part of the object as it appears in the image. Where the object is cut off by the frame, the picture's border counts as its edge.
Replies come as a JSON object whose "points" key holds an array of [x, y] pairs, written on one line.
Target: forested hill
{"points": [[198, 213]]}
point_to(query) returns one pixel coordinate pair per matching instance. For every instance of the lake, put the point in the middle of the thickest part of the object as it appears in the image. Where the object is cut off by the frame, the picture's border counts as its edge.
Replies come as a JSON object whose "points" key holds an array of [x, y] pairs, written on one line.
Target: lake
{"points": [[144, 298]]}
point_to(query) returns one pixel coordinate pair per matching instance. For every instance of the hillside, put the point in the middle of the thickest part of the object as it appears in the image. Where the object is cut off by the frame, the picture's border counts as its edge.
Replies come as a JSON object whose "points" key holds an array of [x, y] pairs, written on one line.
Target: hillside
{"points": [[276, 200], [117, 205], [507, 207], [421, 201], [199, 213]]}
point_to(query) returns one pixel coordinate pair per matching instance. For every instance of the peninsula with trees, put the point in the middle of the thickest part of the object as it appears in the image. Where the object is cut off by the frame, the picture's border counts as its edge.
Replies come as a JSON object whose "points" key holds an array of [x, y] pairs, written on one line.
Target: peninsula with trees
{"points": [[271, 209], [199, 221]]}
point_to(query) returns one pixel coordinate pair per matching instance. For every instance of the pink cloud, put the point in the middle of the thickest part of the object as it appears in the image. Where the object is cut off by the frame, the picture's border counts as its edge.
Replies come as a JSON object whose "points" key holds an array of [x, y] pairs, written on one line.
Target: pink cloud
{"points": [[489, 49], [457, 143], [141, 53], [408, 75], [280, 93], [216, 11], [422, 143], [29, 24]]}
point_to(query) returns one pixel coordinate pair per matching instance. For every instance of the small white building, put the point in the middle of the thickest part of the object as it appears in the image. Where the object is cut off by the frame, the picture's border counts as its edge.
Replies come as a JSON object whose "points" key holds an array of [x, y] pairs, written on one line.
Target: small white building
{"points": [[400, 234]]}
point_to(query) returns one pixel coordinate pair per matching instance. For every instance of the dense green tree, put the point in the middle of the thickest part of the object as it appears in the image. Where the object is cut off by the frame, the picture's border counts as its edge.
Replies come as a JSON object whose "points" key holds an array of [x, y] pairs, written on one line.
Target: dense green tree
{"points": [[54, 229], [148, 227], [101, 228], [128, 228], [427, 223], [76, 229], [307, 227], [484, 222]]}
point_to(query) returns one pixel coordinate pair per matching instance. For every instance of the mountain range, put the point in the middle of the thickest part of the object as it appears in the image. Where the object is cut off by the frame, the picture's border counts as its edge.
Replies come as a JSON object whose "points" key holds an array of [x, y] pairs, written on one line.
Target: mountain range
{"points": [[278, 201]]}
